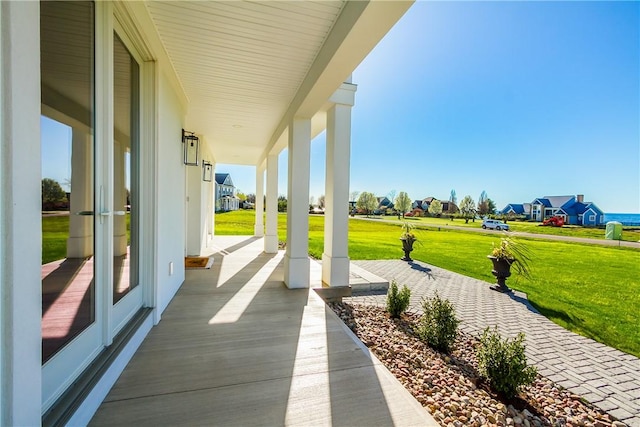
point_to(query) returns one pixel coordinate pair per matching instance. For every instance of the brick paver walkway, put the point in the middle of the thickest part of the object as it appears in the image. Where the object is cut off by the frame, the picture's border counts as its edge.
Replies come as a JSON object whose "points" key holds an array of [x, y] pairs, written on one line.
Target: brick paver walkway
{"points": [[606, 377]]}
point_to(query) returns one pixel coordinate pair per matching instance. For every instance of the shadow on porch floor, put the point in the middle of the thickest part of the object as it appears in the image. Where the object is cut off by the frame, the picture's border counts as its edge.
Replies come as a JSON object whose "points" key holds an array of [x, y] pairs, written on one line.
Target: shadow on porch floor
{"points": [[237, 348]]}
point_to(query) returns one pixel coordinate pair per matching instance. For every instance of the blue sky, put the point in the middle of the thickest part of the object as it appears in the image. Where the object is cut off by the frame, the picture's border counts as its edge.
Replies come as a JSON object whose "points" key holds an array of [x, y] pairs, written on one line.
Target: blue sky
{"points": [[519, 99]]}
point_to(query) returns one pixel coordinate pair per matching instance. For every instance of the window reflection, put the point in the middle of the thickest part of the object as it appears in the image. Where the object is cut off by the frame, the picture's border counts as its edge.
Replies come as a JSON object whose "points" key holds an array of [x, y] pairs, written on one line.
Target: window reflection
{"points": [[125, 155], [67, 57]]}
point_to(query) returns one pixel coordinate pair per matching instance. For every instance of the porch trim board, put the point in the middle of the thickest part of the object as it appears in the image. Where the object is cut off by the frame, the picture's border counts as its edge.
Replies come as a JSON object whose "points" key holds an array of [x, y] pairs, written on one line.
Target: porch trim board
{"points": [[20, 246]]}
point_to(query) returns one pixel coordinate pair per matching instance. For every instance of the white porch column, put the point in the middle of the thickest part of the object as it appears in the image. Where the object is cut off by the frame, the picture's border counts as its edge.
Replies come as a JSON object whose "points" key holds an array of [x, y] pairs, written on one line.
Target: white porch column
{"points": [[271, 238], [259, 205], [296, 259], [335, 258], [80, 241], [20, 215]]}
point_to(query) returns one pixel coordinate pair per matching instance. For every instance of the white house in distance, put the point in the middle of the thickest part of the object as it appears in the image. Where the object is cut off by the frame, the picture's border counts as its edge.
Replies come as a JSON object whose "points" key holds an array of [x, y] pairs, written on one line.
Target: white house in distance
{"points": [[226, 199], [150, 95]]}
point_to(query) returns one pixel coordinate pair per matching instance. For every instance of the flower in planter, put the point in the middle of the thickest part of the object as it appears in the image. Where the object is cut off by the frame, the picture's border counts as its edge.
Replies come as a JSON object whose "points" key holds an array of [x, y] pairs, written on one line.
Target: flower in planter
{"points": [[509, 253], [408, 238], [515, 253], [407, 231]]}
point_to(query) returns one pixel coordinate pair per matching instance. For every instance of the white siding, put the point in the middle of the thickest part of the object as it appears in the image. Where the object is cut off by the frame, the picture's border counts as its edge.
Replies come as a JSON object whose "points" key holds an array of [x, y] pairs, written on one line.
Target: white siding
{"points": [[171, 194]]}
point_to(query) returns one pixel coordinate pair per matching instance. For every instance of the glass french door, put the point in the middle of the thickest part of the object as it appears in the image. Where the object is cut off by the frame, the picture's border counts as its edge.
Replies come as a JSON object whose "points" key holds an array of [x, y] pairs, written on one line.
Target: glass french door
{"points": [[126, 296], [90, 136]]}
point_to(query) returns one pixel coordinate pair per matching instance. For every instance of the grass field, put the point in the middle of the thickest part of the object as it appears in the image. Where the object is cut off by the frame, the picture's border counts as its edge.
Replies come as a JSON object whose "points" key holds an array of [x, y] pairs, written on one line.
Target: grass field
{"points": [[55, 232], [630, 234], [589, 289]]}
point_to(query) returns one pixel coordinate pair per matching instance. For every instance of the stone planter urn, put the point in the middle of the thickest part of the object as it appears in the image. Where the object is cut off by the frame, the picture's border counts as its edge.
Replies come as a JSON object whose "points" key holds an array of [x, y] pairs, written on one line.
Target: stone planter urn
{"points": [[501, 270], [407, 247]]}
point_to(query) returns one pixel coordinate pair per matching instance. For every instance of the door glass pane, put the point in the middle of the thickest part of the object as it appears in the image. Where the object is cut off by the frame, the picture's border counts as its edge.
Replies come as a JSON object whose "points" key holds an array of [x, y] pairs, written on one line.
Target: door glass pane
{"points": [[125, 186], [67, 139]]}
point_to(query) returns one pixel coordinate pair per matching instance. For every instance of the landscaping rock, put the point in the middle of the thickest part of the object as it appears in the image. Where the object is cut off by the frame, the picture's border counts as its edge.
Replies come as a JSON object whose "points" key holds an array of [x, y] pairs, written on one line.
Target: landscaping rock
{"points": [[450, 387]]}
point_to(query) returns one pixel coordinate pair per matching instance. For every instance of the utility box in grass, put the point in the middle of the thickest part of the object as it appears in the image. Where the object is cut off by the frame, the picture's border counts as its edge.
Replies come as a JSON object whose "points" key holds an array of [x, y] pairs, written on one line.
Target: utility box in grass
{"points": [[613, 231]]}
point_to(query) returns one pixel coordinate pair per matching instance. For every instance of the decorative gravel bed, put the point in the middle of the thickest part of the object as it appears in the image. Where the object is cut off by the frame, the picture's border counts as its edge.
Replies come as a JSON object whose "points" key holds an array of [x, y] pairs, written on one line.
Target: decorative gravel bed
{"points": [[449, 385]]}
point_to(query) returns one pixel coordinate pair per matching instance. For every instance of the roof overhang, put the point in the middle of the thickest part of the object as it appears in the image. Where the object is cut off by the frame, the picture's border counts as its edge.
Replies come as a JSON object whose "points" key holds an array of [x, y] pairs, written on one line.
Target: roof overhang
{"points": [[247, 69]]}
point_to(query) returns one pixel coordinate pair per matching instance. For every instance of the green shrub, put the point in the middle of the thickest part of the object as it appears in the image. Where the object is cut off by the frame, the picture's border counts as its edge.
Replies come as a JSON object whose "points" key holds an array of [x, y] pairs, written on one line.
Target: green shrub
{"points": [[438, 325], [397, 301], [504, 363]]}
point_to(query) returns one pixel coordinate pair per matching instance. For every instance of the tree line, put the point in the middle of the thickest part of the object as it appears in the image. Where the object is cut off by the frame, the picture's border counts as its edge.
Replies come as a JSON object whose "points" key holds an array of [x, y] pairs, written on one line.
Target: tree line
{"points": [[368, 203]]}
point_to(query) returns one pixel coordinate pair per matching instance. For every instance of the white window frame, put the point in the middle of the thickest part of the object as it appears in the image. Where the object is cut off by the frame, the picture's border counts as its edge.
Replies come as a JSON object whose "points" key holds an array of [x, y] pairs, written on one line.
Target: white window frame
{"points": [[109, 18], [2, 233], [59, 372]]}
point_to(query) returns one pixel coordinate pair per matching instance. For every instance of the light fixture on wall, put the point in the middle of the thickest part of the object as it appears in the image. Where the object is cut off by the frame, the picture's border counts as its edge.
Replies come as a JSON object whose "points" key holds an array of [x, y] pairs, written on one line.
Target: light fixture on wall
{"points": [[207, 171], [191, 147]]}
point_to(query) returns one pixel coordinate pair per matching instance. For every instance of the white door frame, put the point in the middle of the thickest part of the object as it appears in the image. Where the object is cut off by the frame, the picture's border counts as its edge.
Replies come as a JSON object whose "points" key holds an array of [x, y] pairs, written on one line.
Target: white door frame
{"points": [[63, 369]]}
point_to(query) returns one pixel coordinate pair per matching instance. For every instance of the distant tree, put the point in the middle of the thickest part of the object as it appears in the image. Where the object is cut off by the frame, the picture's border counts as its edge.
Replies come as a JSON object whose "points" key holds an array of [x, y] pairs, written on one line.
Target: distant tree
{"points": [[251, 198], [402, 203], [282, 203], [467, 208], [453, 202], [367, 202], [321, 202], [392, 196], [241, 196], [353, 196], [483, 206], [312, 202], [491, 207], [52, 192], [435, 208]]}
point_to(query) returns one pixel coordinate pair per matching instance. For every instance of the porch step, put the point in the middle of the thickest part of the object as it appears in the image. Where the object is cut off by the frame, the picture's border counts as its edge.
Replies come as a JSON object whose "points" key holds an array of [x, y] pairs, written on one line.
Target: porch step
{"points": [[360, 281], [333, 294]]}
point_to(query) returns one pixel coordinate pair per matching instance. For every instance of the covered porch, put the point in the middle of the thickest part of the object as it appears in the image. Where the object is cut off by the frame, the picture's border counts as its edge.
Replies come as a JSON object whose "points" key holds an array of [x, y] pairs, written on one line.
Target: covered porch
{"points": [[235, 347], [133, 85]]}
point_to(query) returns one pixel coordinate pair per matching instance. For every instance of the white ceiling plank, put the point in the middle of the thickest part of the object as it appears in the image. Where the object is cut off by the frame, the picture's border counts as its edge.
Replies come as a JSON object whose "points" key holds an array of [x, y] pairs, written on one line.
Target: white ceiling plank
{"points": [[241, 64], [247, 66]]}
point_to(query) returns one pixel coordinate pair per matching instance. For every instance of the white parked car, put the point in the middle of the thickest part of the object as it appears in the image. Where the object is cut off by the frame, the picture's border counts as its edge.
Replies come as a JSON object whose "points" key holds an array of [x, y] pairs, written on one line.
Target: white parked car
{"points": [[494, 224]]}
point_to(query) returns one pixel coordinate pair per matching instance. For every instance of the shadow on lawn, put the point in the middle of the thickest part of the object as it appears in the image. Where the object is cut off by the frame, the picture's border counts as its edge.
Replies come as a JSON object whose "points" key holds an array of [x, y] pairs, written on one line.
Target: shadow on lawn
{"points": [[563, 317]]}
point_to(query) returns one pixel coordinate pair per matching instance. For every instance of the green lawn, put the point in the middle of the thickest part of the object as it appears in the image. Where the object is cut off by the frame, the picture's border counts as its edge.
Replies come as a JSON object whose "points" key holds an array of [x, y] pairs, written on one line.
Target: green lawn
{"points": [[630, 234], [55, 232], [589, 289], [592, 290]]}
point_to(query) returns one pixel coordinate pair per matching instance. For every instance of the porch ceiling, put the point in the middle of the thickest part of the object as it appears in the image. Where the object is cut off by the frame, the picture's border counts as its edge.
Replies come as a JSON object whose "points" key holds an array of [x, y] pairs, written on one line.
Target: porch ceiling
{"points": [[240, 64], [248, 67]]}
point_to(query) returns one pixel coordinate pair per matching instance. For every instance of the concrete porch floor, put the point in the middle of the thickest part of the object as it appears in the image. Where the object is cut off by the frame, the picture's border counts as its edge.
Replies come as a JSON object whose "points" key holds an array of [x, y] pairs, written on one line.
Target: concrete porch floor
{"points": [[237, 348]]}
